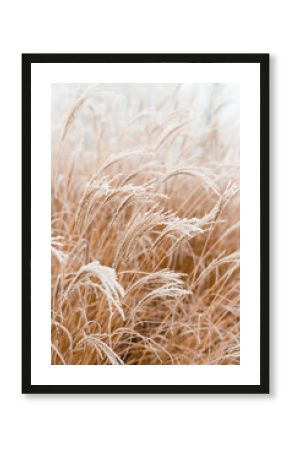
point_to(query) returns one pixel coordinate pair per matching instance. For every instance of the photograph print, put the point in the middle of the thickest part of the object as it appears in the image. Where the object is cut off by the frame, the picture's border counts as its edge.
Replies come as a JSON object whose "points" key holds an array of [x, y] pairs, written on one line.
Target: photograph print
{"points": [[145, 220], [147, 199]]}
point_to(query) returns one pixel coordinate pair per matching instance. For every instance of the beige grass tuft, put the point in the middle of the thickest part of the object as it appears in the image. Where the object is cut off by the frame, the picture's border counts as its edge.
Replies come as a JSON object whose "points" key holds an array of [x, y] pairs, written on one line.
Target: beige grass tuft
{"points": [[145, 229]]}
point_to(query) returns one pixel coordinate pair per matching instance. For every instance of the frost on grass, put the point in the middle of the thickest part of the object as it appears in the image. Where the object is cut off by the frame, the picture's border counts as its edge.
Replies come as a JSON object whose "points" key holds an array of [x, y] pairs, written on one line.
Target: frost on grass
{"points": [[145, 225]]}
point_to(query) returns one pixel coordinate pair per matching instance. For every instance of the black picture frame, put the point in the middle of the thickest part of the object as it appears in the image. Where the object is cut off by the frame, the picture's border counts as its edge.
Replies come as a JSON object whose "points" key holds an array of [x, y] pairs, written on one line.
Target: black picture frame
{"points": [[263, 61]]}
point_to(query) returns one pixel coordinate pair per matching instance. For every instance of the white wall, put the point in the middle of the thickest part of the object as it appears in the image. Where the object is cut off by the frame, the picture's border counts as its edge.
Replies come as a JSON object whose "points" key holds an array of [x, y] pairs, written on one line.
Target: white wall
{"points": [[70, 422]]}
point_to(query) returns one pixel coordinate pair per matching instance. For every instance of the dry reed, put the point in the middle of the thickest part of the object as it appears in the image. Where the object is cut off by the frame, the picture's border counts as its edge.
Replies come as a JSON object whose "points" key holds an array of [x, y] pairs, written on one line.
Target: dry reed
{"points": [[145, 230]]}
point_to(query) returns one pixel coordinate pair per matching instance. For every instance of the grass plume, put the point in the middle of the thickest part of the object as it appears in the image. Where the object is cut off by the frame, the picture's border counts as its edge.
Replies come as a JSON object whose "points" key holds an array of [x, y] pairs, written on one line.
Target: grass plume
{"points": [[145, 228]]}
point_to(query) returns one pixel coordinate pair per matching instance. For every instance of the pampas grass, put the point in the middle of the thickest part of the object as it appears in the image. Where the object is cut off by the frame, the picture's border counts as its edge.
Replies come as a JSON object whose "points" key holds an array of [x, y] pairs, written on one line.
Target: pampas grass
{"points": [[145, 226]]}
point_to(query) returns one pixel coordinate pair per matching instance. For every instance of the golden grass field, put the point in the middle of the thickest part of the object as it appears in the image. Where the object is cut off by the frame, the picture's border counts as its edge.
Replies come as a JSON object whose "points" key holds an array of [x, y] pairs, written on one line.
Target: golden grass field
{"points": [[145, 226]]}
